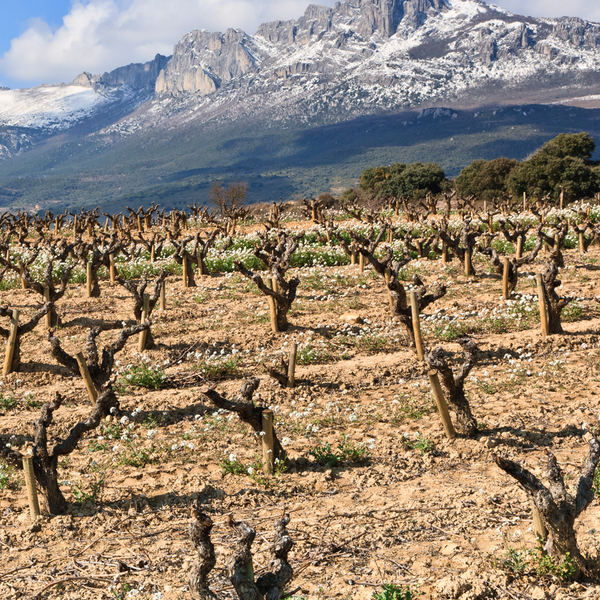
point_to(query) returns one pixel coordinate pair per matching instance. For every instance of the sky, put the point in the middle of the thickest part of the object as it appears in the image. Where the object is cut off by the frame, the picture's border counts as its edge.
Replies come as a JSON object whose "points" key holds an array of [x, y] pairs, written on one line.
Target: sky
{"points": [[52, 41]]}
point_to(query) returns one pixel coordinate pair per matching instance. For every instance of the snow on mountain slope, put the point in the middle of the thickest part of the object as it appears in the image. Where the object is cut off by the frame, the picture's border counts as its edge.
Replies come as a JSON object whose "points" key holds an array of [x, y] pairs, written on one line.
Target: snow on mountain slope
{"points": [[51, 107]]}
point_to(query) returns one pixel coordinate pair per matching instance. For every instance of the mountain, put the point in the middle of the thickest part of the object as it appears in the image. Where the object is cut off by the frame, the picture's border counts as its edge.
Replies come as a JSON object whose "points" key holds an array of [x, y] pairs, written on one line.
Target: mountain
{"points": [[236, 106]]}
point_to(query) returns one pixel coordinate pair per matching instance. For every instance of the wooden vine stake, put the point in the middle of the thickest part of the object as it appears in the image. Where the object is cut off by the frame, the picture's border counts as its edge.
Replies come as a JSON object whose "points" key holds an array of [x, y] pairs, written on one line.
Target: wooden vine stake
{"points": [[11, 342], [361, 263], [144, 334], [34, 506], [581, 244], [538, 525], [112, 268], [542, 299], [468, 269], [440, 400], [414, 305], [21, 271], [519, 251], [268, 444], [505, 291], [291, 382], [445, 253], [89, 279], [87, 378], [163, 296]]}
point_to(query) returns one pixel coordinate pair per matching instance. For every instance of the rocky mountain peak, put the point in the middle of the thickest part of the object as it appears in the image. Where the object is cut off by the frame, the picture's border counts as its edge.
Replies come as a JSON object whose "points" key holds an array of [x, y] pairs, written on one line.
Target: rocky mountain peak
{"points": [[203, 61]]}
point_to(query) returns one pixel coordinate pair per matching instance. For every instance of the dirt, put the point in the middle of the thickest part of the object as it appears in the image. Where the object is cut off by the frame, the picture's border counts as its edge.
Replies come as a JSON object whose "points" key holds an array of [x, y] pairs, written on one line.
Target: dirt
{"points": [[413, 509]]}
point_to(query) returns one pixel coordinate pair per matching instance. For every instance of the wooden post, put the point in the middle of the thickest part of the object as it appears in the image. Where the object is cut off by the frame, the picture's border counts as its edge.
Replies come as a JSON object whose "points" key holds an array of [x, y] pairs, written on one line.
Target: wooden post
{"points": [[34, 507], [542, 300], [89, 279], [390, 238], [361, 262], [524, 201], [144, 334], [414, 305], [49, 313], [505, 272], [139, 222], [87, 378], [185, 271], [21, 271], [556, 241], [56, 228], [519, 251], [11, 342], [581, 244], [152, 253], [562, 198], [272, 307], [267, 440], [112, 268], [538, 525], [468, 270], [291, 382], [445, 253], [163, 296], [440, 400]]}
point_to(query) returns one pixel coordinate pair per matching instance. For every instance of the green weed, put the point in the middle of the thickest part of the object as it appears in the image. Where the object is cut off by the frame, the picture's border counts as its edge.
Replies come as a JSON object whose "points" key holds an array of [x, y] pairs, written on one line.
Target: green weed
{"points": [[390, 591], [143, 375]]}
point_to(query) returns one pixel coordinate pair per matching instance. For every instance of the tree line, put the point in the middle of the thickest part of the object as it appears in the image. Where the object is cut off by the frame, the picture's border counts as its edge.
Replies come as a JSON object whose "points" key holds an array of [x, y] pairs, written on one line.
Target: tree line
{"points": [[562, 165]]}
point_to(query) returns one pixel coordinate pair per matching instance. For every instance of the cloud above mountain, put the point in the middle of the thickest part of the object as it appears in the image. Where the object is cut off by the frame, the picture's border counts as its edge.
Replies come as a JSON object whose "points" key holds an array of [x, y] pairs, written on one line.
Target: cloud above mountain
{"points": [[100, 35], [584, 9]]}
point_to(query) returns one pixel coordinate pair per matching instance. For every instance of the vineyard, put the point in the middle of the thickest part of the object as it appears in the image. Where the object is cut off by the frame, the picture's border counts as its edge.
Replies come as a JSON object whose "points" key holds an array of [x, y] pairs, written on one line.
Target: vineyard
{"points": [[305, 400]]}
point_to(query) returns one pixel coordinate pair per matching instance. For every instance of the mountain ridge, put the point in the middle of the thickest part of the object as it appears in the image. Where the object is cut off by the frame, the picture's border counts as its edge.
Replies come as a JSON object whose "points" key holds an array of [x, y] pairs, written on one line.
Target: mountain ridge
{"points": [[332, 65]]}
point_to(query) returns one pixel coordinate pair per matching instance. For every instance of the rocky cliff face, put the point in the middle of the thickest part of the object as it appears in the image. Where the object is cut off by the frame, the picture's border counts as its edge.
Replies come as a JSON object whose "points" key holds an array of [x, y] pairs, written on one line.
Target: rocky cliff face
{"points": [[202, 62], [138, 76]]}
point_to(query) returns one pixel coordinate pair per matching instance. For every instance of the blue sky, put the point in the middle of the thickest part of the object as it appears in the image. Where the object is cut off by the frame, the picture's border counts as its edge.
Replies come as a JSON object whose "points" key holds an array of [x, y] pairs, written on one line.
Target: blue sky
{"points": [[51, 41]]}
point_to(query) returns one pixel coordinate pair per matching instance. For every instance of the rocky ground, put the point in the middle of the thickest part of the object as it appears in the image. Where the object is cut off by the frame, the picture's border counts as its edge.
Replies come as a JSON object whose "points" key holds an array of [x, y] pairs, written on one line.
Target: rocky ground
{"points": [[390, 500]]}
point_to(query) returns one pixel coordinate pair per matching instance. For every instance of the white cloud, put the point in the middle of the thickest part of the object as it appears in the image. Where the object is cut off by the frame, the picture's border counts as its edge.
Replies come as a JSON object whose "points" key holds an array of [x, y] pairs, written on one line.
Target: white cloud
{"points": [[101, 35], [552, 8]]}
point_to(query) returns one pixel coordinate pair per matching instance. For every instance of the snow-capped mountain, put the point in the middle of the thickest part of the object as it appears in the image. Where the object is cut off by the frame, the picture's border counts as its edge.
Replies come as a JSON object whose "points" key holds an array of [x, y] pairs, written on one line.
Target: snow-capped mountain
{"points": [[369, 56], [359, 58]]}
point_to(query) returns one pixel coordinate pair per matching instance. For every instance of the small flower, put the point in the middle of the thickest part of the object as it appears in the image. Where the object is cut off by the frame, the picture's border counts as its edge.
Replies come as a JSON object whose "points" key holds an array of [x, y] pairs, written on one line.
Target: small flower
{"points": [[250, 471], [285, 441]]}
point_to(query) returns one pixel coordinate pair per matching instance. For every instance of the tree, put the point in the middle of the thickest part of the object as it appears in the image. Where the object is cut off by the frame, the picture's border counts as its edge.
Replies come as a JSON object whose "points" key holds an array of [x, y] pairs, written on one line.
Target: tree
{"points": [[228, 199], [415, 180], [577, 145], [560, 164], [230, 203], [486, 179]]}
